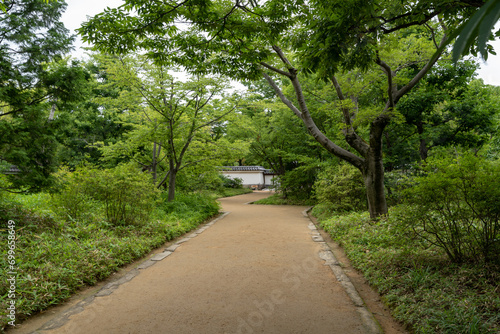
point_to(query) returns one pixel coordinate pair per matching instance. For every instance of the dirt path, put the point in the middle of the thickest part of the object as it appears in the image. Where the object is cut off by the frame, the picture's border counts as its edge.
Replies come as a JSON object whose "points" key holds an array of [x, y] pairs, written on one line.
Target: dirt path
{"points": [[256, 270]]}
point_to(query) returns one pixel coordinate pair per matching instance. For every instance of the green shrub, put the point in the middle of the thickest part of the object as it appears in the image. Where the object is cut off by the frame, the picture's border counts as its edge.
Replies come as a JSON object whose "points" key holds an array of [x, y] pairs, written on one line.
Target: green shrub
{"points": [[297, 184], [456, 207], [424, 290], [341, 188], [73, 200], [128, 194], [228, 182], [123, 195], [190, 207], [396, 182]]}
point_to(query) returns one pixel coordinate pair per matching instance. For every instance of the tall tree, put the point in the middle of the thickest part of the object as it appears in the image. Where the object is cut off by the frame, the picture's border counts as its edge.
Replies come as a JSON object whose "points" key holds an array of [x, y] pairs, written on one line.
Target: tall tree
{"points": [[248, 39], [447, 108], [177, 121], [31, 37]]}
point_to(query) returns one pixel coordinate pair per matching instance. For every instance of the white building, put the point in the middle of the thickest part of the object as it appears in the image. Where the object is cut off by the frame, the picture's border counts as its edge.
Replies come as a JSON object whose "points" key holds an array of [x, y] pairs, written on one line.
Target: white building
{"points": [[255, 177]]}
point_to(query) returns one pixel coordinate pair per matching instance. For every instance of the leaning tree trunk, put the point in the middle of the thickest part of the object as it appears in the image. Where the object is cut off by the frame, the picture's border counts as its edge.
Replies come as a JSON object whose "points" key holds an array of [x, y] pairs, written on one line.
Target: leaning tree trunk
{"points": [[373, 175]]}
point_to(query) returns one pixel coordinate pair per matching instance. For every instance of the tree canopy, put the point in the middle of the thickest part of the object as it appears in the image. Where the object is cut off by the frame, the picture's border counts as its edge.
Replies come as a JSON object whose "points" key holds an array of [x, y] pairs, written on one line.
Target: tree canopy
{"points": [[32, 85], [286, 39]]}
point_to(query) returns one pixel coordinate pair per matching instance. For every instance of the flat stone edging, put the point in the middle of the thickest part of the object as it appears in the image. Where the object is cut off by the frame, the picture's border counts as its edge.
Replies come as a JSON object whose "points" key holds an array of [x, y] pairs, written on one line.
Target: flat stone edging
{"points": [[112, 286], [367, 318]]}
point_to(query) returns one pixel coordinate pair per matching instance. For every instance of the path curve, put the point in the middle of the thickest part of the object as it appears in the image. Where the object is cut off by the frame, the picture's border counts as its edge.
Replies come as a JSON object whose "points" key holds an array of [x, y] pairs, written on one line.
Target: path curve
{"points": [[256, 270]]}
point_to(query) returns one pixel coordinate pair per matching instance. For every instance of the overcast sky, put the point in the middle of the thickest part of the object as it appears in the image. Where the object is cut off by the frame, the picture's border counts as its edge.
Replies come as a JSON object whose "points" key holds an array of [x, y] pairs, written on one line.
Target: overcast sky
{"points": [[78, 10]]}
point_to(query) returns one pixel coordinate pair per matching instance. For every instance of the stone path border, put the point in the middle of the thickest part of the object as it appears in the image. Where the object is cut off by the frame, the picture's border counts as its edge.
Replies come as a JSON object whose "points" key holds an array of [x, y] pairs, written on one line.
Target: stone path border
{"points": [[369, 321], [326, 254], [110, 287]]}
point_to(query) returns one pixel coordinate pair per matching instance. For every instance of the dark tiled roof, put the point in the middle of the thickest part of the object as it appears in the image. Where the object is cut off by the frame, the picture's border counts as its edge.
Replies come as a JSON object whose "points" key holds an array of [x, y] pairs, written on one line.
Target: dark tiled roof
{"points": [[248, 169], [11, 170], [243, 168]]}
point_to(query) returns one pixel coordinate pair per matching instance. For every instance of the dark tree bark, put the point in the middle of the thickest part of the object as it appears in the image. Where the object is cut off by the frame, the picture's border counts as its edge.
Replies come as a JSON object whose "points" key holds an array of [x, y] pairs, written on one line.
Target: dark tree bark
{"points": [[171, 180], [423, 149]]}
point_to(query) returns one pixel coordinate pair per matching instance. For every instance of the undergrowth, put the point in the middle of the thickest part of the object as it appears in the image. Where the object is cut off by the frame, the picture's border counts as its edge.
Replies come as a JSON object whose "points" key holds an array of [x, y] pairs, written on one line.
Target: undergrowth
{"points": [[425, 291], [56, 257]]}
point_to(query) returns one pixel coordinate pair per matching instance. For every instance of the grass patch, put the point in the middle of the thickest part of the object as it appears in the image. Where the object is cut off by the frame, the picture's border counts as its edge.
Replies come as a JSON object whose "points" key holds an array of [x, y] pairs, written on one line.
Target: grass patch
{"points": [[277, 199], [424, 290], [230, 192], [56, 257]]}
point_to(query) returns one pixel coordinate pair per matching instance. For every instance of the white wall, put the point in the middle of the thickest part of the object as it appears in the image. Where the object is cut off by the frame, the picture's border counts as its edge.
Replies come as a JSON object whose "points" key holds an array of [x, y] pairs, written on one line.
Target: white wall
{"points": [[268, 180], [249, 178]]}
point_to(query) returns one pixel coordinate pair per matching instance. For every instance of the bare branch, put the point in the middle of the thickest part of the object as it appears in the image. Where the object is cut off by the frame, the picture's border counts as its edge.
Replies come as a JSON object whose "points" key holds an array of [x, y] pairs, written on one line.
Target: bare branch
{"points": [[400, 93], [282, 96], [274, 69]]}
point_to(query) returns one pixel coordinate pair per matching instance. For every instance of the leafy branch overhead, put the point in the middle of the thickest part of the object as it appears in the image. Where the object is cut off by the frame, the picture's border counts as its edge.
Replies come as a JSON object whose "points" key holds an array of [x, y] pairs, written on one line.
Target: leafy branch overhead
{"points": [[478, 28]]}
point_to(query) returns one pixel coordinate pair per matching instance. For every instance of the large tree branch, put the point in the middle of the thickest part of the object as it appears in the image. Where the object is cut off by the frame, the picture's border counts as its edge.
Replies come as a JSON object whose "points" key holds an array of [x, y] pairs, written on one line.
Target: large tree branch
{"points": [[304, 114], [274, 69], [400, 93], [282, 96], [351, 136], [390, 74]]}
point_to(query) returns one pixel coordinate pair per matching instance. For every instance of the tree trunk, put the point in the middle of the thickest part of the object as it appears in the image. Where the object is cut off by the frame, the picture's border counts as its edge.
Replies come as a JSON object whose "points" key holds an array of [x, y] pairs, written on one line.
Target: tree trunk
{"points": [[171, 181], [373, 174], [423, 149], [154, 164]]}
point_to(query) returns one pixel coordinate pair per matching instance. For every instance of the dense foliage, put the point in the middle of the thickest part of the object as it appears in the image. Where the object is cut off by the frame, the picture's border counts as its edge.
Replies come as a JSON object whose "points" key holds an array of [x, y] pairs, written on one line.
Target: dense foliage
{"points": [[455, 207], [32, 89], [341, 189], [123, 195]]}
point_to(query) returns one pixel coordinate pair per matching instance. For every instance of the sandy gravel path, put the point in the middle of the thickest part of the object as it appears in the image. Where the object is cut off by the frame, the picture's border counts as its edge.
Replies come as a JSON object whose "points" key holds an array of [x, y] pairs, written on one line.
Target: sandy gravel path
{"points": [[256, 270]]}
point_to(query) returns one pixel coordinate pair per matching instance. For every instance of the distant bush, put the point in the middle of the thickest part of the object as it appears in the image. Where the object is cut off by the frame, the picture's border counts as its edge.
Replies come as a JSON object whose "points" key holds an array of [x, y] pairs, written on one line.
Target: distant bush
{"points": [[456, 207], [396, 182], [124, 195], [228, 182], [190, 206], [296, 185], [341, 188]]}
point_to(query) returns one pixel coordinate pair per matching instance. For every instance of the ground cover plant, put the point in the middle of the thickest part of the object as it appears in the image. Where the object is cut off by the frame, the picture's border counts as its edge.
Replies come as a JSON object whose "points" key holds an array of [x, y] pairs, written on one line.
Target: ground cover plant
{"points": [[434, 258], [62, 249], [424, 289]]}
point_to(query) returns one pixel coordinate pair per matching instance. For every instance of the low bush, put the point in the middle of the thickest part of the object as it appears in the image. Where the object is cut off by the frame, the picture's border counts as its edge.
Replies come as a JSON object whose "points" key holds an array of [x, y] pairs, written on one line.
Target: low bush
{"points": [[456, 207], [296, 185], [123, 195], [424, 290], [228, 182], [190, 207], [341, 188]]}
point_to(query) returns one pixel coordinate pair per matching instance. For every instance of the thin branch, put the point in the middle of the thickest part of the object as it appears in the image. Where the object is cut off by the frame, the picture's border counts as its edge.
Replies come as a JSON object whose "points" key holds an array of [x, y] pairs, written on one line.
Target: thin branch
{"points": [[274, 69], [389, 73], [433, 34], [282, 96], [422, 72]]}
